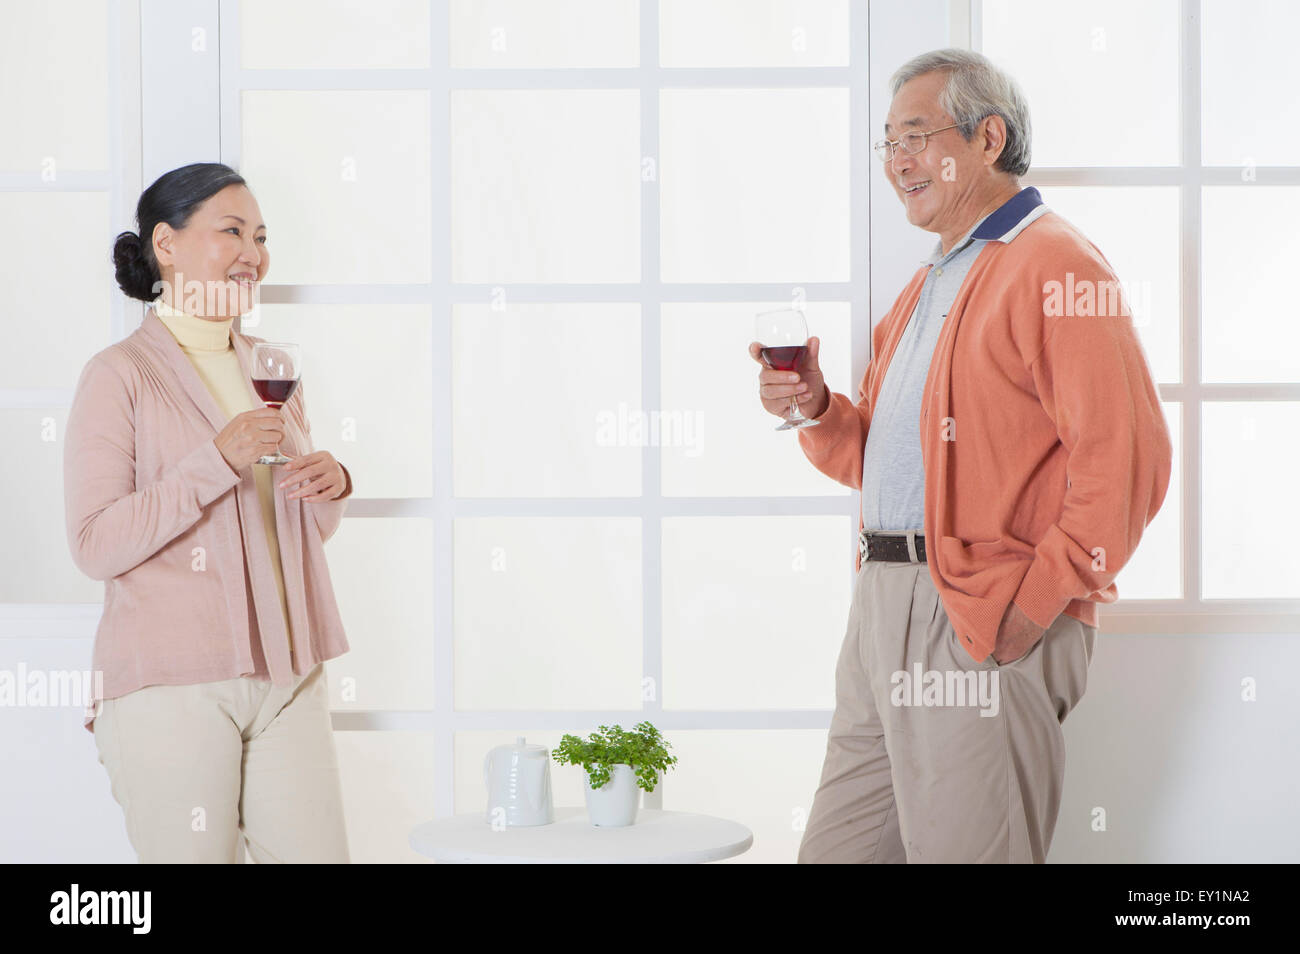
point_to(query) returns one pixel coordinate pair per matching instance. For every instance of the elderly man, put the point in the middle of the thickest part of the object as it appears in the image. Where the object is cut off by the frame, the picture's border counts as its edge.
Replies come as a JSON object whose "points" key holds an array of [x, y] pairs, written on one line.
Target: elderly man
{"points": [[1010, 449]]}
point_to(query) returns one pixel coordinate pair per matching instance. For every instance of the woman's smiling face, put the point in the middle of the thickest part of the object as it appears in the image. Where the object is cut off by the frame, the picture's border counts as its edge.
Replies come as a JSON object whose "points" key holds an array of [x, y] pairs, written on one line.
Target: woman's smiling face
{"points": [[212, 266]]}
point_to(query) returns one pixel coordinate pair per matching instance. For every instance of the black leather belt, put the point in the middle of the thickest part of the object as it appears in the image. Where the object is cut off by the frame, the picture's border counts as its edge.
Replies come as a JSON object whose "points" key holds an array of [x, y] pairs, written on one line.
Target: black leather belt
{"points": [[891, 546]]}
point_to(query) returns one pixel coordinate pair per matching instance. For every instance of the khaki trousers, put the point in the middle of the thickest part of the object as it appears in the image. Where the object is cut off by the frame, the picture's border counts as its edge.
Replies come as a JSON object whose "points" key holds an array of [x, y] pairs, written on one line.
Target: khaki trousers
{"points": [[195, 767], [909, 780]]}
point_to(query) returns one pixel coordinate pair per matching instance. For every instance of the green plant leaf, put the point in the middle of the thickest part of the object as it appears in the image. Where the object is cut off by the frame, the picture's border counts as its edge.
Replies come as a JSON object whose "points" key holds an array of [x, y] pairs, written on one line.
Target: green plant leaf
{"points": [[644, 749]]}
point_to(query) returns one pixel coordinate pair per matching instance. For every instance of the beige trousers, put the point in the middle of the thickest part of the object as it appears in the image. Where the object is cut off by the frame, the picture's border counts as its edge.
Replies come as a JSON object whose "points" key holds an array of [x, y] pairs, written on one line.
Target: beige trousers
{"points": [[196, 766], [906, 779]]}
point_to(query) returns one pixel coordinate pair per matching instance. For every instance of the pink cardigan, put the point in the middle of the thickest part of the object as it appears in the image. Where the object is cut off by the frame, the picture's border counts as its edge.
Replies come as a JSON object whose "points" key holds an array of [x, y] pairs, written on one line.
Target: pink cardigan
{"points": [[188, 581]]}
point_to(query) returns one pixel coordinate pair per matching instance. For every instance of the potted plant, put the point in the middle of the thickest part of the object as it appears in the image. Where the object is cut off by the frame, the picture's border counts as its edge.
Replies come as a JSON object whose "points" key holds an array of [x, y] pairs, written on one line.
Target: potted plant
{"points": [[618, 763]]}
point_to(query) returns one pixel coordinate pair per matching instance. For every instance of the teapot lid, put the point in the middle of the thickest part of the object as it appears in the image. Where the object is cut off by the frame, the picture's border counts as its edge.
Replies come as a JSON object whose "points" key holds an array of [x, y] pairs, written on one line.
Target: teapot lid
{"points": [[528, 750]]}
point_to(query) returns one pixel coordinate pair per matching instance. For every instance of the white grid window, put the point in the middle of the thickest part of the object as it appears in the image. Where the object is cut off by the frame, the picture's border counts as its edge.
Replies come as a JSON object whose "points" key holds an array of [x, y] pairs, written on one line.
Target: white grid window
{"points": [[526, 277], [69, 177]]}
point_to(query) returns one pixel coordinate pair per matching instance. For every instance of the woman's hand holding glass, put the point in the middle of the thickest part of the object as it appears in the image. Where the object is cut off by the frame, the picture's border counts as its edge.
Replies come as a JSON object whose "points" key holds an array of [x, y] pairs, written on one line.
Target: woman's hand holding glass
{"points": [[249, 436]]}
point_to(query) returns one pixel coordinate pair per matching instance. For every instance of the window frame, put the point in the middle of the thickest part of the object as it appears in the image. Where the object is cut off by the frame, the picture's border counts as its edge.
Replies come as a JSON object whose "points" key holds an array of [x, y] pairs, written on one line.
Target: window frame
{"points": [[443, 508]]}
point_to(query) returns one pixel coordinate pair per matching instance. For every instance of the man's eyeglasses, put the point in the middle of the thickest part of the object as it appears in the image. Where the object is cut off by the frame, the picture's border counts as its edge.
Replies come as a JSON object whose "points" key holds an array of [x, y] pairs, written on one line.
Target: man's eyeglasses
{"points": [[911, 143]]}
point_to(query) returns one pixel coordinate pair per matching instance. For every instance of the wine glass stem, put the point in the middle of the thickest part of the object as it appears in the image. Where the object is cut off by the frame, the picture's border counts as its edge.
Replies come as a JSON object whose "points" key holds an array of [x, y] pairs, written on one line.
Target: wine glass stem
{"points": [[277, 443], [794, 408]]}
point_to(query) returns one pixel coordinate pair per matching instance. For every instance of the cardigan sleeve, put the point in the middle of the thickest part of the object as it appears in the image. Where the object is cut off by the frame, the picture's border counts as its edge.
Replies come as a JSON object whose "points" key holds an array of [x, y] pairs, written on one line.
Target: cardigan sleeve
{"points": [[1093, 380], [113, 525], [836, 445], [327, 513]]}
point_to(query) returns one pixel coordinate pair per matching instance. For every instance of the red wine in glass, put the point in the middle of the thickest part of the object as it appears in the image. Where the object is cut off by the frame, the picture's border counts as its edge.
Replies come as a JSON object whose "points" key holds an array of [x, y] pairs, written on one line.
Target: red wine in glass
{"points": [[276, 371], [784, 358], [274, 392], [782, 336]]}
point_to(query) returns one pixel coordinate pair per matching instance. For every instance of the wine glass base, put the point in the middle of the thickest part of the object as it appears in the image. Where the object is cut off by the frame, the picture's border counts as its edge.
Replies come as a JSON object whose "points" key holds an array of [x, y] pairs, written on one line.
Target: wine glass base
{"points": [[801, 422], [273, 459]]}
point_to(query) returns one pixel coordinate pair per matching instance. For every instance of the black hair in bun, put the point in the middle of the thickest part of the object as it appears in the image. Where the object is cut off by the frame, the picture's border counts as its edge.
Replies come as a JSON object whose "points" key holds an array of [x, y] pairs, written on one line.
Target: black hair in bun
{"points": [[171, 199], [135, 275]]}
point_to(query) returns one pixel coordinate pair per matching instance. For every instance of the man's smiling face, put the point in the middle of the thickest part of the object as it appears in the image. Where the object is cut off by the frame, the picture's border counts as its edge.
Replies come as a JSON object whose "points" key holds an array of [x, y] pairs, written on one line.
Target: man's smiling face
{"points": [[938, 184]]}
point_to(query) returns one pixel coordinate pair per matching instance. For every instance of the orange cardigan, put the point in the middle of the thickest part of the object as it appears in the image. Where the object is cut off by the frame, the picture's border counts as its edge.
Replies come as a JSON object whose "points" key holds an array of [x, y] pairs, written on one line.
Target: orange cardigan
{"points": [[1045, 449]]}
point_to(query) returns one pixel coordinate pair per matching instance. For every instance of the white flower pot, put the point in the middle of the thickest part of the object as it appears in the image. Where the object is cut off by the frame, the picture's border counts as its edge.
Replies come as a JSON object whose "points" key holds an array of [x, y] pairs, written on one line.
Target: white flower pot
{"points": [[614, 804]]}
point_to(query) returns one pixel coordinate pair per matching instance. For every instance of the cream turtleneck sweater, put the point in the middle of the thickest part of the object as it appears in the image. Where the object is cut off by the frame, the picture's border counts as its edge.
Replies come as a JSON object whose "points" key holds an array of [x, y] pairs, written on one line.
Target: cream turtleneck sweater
{"points": [[208, 346]]}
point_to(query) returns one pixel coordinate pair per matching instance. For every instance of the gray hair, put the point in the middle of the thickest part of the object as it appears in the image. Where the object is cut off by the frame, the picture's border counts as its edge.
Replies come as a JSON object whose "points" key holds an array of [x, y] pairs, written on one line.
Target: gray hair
{"points": [[976, 89]]}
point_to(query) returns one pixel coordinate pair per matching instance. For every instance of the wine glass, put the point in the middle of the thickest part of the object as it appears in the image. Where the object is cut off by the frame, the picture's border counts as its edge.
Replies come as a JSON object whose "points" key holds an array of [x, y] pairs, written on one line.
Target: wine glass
{"points": [[783, 335], [277, 368]]}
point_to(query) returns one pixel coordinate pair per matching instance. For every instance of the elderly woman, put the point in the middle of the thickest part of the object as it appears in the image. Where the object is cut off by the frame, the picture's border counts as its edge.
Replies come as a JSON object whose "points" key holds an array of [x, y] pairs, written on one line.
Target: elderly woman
{"points": [[213, 718]]}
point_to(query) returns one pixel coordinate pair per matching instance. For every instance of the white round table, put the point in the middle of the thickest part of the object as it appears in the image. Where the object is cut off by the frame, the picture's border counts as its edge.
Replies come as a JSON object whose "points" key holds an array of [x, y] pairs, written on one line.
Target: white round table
{"points": [[657, 837]]}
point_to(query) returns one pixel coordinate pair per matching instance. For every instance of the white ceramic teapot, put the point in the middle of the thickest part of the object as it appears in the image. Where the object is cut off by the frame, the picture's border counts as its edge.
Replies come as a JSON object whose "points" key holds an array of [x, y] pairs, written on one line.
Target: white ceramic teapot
{"points": [[518, 779]]}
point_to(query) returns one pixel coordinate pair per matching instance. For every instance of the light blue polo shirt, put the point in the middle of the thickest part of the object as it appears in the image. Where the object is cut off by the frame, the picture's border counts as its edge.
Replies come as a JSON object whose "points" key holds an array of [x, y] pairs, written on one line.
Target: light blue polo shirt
{"points": [[893, 475]]}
